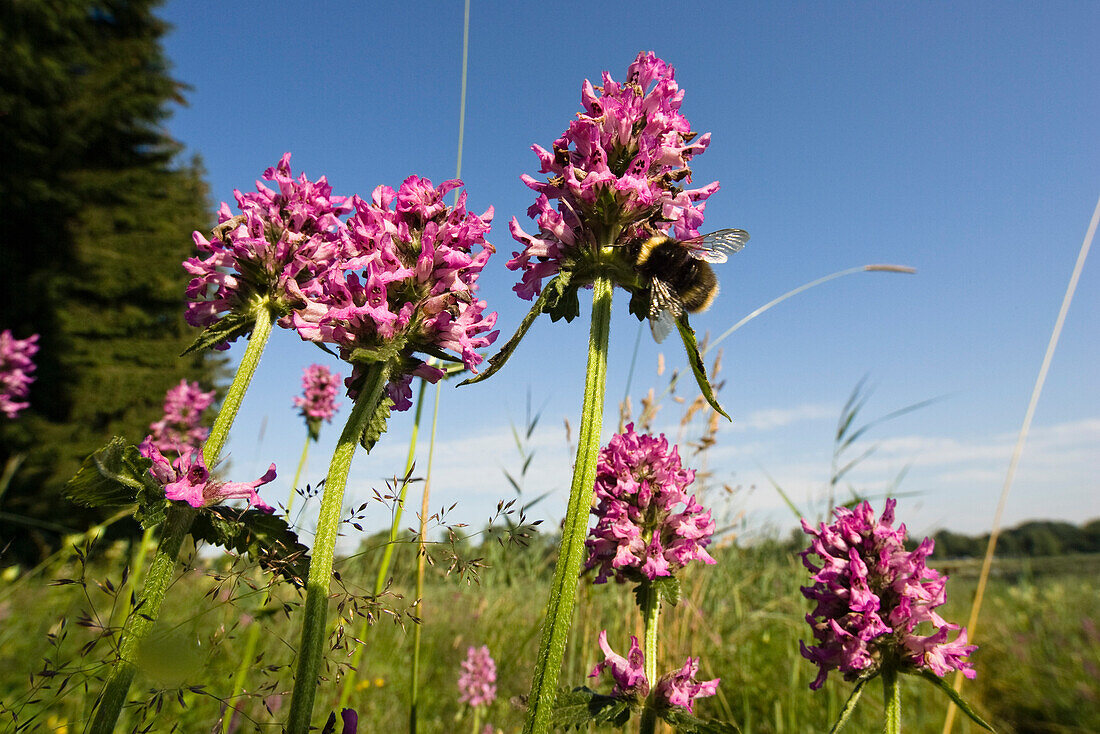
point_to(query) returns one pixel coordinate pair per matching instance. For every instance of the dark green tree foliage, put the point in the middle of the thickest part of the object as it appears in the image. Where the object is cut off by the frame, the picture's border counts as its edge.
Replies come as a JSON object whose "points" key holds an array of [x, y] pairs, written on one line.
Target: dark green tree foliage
{"points": [[1034, 539], [97, 217]]}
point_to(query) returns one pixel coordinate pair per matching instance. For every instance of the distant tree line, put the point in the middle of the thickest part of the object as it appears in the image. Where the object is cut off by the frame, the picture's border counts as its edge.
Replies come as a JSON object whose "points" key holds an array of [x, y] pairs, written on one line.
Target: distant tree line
{"points": [[97, 214], [1030, 539]]}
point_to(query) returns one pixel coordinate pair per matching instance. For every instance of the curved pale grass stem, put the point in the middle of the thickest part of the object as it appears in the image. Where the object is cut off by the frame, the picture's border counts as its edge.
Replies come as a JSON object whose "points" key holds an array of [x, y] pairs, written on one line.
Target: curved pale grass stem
{"points": [[387, 554], [1021, 439], [768, 306]]}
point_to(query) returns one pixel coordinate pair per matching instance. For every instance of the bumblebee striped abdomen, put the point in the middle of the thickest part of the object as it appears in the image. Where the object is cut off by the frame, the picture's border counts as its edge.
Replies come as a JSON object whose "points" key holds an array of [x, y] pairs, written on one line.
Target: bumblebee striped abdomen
{"points": [[692, 280]]}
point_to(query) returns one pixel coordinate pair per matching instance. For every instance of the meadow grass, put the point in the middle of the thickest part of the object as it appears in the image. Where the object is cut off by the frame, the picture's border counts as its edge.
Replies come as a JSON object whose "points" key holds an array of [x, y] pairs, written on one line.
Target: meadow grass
{"points": [[1038, 662]]}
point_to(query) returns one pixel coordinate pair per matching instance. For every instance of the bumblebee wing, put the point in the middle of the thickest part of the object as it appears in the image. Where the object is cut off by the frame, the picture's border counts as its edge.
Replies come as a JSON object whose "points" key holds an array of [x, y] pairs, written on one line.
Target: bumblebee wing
{"points": [[664, 309], [716, 247]]}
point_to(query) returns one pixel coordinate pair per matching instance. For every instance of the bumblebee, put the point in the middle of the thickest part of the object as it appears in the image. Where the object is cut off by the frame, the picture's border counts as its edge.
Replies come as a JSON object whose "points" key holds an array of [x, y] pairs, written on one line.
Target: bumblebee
{"points": [[679, 273]]}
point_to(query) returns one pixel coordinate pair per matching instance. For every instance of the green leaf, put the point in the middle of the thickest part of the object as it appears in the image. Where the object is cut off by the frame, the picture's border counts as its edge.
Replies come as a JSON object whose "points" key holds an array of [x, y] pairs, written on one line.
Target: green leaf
{"points": [[152, 508], [686, 722], [264, 536], [946, 687], [639, 302], [118, 474], [578, 707], [439, 354], [562, 301], [497, 360], [114, 475], [697, 366], [376, 426], [224, 330], [667, 586], [849, 705]]}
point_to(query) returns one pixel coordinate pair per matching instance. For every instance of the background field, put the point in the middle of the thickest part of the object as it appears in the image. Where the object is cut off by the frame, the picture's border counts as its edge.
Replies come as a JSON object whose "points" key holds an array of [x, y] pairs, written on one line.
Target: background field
{"points": [[1039, 660]]}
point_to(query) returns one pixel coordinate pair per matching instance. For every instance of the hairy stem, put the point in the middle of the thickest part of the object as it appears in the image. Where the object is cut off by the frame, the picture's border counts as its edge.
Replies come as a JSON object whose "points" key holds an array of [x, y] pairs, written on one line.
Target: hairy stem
{"points": [[311, 646], [563, 592], [215, 442], [891, 698]]}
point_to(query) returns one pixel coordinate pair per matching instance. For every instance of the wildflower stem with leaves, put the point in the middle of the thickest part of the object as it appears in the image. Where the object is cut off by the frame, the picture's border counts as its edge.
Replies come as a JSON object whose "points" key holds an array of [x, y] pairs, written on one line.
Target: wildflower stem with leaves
{"points": [[614, 183], [404, 283], [563, 590], [177, 524]]}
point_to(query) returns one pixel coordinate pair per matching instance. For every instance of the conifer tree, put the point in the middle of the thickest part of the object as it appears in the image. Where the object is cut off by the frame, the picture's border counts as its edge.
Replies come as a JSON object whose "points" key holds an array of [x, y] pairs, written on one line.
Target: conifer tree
{"points": [[97, 214]]}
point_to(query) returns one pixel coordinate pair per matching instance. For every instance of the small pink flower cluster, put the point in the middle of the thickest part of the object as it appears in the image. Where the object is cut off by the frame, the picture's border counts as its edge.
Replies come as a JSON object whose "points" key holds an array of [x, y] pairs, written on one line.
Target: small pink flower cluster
{"points": [[187, 479], [397, 277], [318, 400], [639, 482], [615, 170], [278, 244], [181, 427], [408, 278], [16, 367], [678, 688], [871, 596], [477, 684]]}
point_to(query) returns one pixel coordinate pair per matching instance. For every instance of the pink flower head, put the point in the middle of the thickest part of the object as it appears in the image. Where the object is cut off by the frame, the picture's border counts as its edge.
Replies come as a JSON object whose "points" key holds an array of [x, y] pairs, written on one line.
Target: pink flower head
{"points": [[318, 400], [615, 175], [181, 427], [406, 283], [477, 684], [628, 672], [872, 595], [280, 242], [16, 367], [680, 688], [187, 479], [642, 493]]}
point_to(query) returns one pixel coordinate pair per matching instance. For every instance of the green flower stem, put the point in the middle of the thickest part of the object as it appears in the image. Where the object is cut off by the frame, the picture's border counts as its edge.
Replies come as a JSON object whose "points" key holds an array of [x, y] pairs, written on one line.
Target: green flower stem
{"points": [[298, 474], [311, 646], [387, 553], [891, 698], [563, 592], [177, 523], [215, 442], [648, 724], [477, 721], [650, 612]]}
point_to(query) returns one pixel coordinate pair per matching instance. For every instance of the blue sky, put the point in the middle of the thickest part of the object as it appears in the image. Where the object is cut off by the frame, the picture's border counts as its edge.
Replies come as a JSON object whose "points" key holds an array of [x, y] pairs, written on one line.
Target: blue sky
{"points": [[958, 139]]}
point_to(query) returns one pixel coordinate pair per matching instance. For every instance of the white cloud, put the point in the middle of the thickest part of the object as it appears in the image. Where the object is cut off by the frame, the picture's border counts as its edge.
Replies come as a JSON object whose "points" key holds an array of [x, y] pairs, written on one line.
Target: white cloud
{"points": [[772, 418], [957, 481]]}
